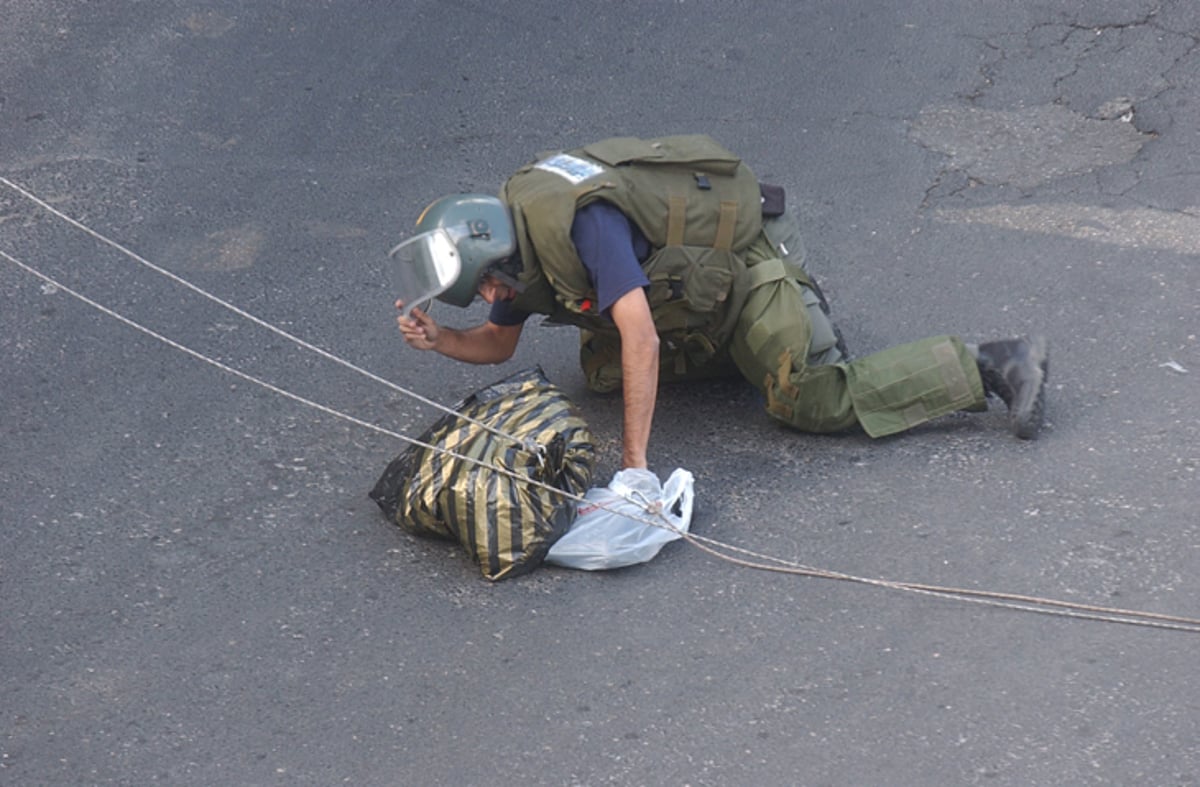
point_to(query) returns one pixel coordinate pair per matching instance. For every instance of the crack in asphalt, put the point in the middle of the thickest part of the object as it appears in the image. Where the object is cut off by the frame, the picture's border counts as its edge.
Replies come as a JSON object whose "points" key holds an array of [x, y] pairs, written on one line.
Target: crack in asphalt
{"points": [[1025, 148]]}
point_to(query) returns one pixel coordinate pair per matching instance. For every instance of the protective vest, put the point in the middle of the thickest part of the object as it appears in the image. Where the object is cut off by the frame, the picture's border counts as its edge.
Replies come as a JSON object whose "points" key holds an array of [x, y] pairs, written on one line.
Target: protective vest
{"points": [[697, 204]]}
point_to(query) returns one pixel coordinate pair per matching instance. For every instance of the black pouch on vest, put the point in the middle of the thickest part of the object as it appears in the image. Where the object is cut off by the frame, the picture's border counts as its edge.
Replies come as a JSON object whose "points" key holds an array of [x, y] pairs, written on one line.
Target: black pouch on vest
{"points": [[773, 201]]}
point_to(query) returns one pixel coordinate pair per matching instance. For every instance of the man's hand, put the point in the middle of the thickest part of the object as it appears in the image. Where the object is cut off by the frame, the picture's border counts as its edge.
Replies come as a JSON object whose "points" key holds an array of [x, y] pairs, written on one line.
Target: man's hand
{"points": [[487, 343], [419, 330]]}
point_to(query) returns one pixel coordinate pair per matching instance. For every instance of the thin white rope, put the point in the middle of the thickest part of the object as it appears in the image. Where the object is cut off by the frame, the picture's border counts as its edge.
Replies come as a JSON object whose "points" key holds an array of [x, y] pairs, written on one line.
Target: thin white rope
{"points": [[268, 386], [711, 546], [1012, 601], [529, 445]]}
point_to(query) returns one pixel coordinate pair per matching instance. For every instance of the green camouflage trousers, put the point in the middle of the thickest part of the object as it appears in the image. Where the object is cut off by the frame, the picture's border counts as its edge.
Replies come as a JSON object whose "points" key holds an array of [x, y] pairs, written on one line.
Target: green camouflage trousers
{"points": [[785, 345]]}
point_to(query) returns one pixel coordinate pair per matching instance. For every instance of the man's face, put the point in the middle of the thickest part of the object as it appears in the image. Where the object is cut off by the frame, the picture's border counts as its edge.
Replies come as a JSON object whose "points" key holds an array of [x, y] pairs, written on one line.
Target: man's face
{"points": [[492, 290]]}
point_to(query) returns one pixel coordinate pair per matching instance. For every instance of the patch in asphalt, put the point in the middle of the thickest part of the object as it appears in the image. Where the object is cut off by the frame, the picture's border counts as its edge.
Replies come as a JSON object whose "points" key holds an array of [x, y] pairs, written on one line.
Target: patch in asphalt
{"points": [[1028, 146]]}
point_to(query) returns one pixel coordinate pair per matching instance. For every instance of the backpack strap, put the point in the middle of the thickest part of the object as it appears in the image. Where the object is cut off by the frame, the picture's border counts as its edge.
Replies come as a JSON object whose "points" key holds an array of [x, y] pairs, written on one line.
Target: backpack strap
{"points": [[676, 219], [725, 225]]}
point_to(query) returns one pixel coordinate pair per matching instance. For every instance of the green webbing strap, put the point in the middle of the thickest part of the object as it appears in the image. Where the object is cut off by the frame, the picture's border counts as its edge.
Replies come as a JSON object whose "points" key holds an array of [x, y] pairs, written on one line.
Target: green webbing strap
{"points": [[725, 225], [676, 217], [765, 272]]}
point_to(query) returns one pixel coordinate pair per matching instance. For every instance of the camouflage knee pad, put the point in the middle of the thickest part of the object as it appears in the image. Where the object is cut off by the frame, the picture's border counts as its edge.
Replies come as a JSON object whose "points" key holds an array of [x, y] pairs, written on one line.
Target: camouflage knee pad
{"points": [[903, 386]]}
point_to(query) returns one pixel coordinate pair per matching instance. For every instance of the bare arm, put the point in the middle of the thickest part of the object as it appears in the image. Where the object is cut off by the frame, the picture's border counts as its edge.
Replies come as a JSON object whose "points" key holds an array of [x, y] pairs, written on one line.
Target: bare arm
{"points": [[487, 343], [639, 367]]}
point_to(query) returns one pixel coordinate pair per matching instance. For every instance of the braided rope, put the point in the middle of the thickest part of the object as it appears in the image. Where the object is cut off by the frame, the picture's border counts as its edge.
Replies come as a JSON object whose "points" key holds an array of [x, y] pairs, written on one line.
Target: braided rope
{"points": [[726, 552]]}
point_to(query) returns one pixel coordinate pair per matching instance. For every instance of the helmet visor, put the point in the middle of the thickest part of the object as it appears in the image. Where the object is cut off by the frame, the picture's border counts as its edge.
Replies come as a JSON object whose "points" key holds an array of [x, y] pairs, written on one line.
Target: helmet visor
{"points": [[423, 267]]}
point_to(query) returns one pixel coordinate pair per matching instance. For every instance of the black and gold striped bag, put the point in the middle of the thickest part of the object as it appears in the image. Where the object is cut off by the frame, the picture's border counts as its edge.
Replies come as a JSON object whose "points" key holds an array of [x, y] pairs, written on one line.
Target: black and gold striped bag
{"points": [[505, 523]]}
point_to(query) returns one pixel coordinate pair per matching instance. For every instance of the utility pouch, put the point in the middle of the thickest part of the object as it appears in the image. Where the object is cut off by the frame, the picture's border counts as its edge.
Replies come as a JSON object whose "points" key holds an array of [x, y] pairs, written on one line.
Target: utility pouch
{"points": [[774, 200], [688, 286]]}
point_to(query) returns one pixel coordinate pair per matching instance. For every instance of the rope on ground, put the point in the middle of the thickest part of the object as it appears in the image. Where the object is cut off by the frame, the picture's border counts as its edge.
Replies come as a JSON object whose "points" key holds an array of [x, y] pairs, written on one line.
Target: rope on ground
{"points": [[726, 552], [529, 445], [259, 382]]}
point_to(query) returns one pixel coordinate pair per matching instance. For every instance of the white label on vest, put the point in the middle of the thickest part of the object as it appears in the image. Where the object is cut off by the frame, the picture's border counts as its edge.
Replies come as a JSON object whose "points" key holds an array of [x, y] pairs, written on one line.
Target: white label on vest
{"points": [[574, 169]]}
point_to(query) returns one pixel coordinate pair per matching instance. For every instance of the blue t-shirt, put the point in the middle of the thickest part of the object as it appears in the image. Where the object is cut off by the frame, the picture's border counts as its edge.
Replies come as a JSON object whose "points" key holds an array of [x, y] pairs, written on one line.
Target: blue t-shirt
{"points": [[611, 249]]}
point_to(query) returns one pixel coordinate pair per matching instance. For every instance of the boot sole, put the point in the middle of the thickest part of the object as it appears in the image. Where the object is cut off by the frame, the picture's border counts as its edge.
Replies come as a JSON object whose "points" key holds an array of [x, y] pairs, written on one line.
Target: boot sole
{"points": [[1028, 409]]}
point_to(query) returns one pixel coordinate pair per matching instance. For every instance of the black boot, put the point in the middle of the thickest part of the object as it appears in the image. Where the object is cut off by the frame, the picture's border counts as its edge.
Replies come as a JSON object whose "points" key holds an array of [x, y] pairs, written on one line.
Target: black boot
{"points": [[1015, 370]]}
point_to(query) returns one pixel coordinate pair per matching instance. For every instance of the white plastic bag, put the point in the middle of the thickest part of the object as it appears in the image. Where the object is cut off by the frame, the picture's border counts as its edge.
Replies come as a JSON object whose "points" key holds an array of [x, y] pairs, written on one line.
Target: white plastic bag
{"points": [[601, 539]]}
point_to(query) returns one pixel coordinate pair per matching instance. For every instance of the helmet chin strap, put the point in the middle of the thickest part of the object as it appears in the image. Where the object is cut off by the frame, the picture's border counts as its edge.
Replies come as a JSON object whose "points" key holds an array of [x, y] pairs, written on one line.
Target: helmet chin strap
{"points": [[501, 273]]}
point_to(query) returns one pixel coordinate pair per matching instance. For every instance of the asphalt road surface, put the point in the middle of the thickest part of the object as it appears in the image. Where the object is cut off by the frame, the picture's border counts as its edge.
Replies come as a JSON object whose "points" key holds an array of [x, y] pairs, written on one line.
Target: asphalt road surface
{"points": [[195, 588]]}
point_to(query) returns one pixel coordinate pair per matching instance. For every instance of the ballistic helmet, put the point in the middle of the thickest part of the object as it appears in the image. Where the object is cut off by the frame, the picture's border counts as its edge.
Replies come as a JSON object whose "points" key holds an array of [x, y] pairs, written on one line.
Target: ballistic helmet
{"points": [[482, 233]]}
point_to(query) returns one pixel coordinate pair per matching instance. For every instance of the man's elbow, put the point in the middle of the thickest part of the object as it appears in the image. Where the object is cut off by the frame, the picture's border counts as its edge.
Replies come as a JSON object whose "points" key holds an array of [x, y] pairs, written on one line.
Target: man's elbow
{"points": [[503, 342], [646, 342], [648, 334]]}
